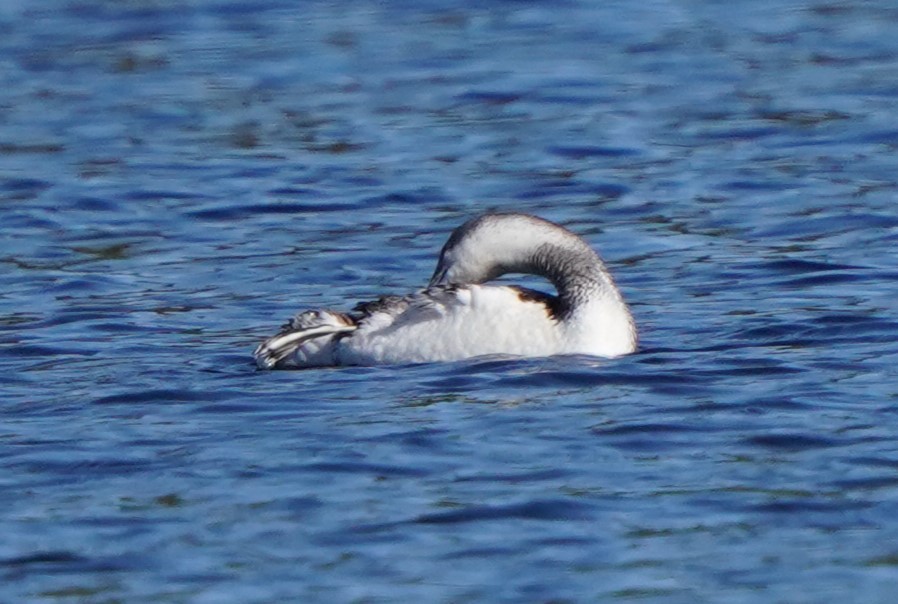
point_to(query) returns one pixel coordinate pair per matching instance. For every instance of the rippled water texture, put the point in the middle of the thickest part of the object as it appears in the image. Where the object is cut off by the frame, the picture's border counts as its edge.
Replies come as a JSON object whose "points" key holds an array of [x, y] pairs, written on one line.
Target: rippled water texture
{"points": [[177, 178]]}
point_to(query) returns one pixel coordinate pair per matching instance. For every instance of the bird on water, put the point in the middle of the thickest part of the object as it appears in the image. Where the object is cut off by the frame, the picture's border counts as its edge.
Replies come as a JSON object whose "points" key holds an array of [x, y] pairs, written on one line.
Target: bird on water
{"points": [[457, 316]]}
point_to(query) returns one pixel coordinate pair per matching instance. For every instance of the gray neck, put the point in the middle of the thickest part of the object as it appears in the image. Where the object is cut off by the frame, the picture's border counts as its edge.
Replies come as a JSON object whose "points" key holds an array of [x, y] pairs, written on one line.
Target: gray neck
{"points": [[576, 273]]}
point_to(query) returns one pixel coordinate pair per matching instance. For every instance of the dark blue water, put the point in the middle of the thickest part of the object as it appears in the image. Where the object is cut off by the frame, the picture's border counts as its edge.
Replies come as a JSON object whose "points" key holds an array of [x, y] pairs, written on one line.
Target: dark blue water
{"points": [[177, 178]]}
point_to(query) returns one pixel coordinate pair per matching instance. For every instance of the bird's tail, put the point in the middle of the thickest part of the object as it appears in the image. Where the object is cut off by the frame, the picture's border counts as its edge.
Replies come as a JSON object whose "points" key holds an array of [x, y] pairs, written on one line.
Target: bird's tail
{"points": [[307, 340]]}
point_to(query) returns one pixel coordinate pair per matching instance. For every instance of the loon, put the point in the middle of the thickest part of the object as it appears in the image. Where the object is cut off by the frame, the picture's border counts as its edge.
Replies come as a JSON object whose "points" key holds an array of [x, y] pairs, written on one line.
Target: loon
{"points": [[457, 316]]}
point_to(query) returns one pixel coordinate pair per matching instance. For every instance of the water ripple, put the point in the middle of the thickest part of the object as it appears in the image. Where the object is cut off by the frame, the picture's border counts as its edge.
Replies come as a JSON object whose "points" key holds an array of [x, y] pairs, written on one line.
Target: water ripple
{"points": [[180, 178]]}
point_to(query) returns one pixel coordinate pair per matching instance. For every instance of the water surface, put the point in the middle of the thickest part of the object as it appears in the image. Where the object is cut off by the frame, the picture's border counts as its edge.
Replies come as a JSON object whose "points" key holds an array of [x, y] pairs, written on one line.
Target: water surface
{"points": [[177, 178]]}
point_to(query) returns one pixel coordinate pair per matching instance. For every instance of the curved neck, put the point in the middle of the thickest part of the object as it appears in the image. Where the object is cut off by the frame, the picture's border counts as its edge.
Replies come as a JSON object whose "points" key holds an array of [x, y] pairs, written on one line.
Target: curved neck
{"points": [[587, 297], [576, 273]]}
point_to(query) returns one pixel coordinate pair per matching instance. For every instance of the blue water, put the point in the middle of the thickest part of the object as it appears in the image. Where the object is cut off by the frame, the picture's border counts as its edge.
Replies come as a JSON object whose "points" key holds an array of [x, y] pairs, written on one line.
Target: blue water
{"points": [[177, 178]]}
